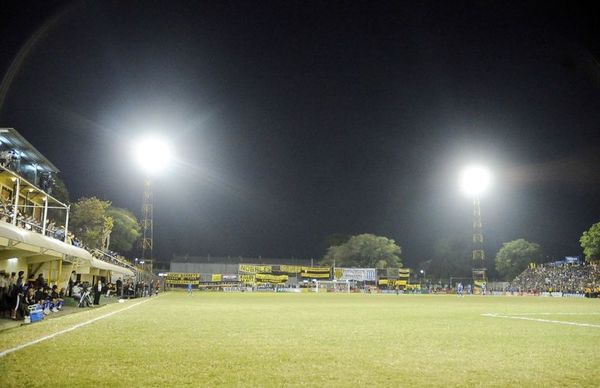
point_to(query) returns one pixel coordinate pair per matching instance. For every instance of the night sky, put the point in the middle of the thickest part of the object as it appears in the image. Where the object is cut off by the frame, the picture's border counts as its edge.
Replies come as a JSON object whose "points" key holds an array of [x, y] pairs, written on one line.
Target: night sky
{"points": [[293, 121]]}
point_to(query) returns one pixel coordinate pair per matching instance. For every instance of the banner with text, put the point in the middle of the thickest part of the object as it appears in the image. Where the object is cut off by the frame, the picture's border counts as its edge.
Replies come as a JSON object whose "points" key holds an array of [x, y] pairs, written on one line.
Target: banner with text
{"points": [[357, 274], [182, 278], [252, 268]]}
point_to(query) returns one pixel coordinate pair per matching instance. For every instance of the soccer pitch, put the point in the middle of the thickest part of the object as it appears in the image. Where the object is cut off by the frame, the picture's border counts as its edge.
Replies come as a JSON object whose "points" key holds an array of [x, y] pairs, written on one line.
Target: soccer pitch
{"points": [[265, 339]]}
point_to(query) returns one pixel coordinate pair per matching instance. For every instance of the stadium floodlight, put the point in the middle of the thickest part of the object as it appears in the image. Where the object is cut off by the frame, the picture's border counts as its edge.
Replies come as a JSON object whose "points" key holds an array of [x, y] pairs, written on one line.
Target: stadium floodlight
{"points": [[474, 180], [152, 154]]}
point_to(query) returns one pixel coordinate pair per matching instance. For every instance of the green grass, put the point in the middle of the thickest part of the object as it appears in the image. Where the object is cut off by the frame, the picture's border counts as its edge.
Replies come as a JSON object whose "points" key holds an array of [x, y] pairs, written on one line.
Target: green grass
{"points": [[214, 339]]}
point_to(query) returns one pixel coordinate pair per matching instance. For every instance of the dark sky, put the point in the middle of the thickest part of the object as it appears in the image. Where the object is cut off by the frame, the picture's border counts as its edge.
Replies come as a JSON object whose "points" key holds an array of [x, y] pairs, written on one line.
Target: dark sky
{"points": [[293, 121]]}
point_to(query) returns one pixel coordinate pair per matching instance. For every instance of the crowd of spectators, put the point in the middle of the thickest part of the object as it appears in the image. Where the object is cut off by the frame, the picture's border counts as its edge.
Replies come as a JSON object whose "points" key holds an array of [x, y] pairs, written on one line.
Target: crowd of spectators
{"points": [[112, 257], [574, 278], [29, 222], [18, 297]]}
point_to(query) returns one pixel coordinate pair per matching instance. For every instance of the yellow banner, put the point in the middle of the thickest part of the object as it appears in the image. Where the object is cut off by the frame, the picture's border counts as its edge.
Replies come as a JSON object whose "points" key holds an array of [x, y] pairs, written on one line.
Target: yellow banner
{"points": [[251, 268], [315, 275], [290, 268], [266, 278], [247, 278], [216, 277], [316, 269]]}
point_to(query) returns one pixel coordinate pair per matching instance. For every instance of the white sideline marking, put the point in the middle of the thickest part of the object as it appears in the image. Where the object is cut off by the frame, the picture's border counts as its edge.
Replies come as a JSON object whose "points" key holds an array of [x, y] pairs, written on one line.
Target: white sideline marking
{"points": [[540, 320], [515, 314], [77, 326]]}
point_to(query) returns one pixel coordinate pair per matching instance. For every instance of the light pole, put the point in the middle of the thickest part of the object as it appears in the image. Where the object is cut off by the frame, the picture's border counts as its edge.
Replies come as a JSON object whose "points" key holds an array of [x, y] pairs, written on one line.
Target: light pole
{"points": [[474, 181], [153, 155]]}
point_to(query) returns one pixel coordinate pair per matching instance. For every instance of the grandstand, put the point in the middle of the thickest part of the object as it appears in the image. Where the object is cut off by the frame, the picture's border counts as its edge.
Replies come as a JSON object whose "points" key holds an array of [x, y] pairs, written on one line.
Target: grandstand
{"points": [[558, 277], [34, 225]]}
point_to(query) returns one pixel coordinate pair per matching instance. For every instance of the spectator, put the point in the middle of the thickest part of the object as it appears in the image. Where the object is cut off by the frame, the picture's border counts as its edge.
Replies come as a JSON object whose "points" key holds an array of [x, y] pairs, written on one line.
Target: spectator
{"points": [[119, 287], [76, 291], [72, 281], [97, 292], [561, 278], [108, 289], [4, 292], [24, 304], [57, 301], [17, 294], [40, 281]]}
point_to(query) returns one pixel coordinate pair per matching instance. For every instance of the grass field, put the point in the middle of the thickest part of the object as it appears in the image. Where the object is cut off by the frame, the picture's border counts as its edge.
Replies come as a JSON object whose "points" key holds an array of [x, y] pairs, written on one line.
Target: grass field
{"points": [[215, 339]]}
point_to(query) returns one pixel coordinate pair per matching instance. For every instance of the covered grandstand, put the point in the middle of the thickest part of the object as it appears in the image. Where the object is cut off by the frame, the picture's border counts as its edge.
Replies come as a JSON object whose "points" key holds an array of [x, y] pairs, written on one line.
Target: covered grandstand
{"points": [[30, 240]]}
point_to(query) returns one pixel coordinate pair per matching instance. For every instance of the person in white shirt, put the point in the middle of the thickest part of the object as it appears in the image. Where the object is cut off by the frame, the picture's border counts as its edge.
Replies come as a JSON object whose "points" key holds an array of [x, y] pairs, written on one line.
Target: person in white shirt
{"points": [[76, 291], [97, 292]]}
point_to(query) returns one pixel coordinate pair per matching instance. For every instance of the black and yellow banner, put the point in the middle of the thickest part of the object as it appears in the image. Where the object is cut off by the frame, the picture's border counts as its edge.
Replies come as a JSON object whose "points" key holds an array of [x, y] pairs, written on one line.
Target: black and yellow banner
{"points": [[250, 279], [290, 268], [182, 278], [268, 278], [252, 268], [315, 275], [316, 269]]}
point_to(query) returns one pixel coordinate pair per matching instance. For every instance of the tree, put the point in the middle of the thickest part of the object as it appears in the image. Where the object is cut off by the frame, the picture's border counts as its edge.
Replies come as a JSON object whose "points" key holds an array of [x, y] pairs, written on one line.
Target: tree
{"points": [[59, 191], [125, 231], [590, 242], [89, 221], [514, 256], [365, 250]]}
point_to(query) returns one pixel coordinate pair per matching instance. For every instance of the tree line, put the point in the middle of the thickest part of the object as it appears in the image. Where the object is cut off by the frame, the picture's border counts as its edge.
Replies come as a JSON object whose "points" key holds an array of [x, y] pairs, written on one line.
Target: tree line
{"points": [[99, 224], [452, 256]]}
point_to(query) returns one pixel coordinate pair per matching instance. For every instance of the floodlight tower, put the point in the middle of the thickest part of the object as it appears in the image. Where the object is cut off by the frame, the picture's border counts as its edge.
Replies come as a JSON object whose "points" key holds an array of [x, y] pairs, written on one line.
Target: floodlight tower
{"points": [[474, 181], [153, 155], [147, 221]]}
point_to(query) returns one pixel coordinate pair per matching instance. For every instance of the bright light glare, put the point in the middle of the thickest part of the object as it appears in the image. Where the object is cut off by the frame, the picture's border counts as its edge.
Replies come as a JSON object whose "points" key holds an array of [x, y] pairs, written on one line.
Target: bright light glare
{"points": [[152, 154], [474, 180]]}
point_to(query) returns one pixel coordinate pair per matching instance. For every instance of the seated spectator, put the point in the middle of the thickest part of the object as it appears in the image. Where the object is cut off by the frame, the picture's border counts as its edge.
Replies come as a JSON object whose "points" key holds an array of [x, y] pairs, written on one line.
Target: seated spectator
{"points": [[109, 288], [76, 291], [55, 299], [24, 304]]}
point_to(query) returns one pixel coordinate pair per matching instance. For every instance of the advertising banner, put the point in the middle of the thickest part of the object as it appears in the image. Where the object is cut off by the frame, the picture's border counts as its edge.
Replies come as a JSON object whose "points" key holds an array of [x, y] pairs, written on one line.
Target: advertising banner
{"points": [[182, 278], [357, 274]]}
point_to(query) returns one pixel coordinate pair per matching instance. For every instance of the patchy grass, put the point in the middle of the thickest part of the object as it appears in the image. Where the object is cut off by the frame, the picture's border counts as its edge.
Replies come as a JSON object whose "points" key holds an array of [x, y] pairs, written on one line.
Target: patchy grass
{"points": [[312, 339]]}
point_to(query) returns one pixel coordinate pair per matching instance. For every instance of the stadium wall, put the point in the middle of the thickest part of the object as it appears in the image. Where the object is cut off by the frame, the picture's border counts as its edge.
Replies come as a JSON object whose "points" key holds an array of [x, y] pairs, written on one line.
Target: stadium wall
{"points": [[204, 268], [224, 265]]}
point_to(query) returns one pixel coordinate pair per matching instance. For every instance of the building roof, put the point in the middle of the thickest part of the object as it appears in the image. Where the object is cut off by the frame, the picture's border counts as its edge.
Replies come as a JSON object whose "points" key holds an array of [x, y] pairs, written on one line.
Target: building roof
{"points": [[13, 139]]}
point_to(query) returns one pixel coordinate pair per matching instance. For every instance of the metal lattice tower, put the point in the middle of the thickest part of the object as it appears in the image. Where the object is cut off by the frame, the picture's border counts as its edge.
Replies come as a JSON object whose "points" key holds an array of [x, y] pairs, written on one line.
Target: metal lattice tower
{"points": [[478, 253], [147, 222]]}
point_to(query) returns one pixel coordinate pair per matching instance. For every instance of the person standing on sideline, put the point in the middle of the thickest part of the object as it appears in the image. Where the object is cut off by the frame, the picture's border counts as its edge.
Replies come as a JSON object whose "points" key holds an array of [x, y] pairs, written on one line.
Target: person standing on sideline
{"points": [[72, 281], [17, 291], [190, 288], [120, 288], [97, 292]]}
